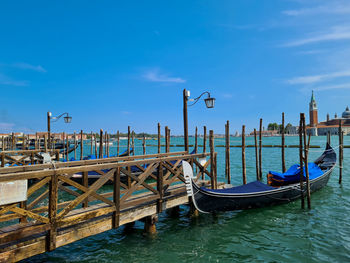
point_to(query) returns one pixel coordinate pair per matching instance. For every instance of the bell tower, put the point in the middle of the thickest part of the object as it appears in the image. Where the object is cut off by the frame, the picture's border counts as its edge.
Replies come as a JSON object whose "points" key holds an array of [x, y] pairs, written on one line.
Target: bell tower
{"points": [[313, 111]]}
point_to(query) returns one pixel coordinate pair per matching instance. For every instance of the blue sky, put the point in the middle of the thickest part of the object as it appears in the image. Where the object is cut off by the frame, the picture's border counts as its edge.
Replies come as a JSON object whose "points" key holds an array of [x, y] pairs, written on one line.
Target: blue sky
{"points": [[111, 64]]}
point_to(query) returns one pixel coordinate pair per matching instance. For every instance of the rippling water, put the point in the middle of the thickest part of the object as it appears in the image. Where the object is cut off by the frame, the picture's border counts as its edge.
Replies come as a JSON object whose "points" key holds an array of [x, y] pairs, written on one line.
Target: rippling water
{"points": [[282, 233]]}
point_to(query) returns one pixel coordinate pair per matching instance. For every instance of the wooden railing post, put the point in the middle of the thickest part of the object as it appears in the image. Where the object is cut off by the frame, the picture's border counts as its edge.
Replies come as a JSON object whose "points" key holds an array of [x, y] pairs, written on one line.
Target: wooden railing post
{"points": [[52, 213], [86, 184], [116, 198], [2, 159]]}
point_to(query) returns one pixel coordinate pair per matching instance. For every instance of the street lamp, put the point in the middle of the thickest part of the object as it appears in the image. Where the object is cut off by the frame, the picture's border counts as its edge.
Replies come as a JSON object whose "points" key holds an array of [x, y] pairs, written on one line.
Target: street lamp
{"points": [[67, 119], [209, 103]]}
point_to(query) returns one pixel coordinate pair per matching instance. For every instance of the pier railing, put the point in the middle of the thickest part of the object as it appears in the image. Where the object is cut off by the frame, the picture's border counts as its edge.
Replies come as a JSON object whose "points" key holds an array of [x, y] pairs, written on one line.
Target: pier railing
{"points": [[61, 195], [24, 157]]}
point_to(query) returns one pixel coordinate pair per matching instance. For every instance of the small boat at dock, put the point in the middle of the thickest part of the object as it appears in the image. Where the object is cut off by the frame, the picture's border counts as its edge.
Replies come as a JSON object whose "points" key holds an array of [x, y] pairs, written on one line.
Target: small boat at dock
{"points": [[257, 194]]}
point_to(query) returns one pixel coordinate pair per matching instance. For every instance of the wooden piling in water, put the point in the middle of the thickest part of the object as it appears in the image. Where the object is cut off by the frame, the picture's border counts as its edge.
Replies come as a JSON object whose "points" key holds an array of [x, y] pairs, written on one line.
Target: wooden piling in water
{"points": [[81, 145], [75, 145], [101, 145], [306, 165], [204, 139], [128, 143], [95, 139], [133, 142], [45, 143], [227, 153], [244, 176], [144, 144], [256, 155], [105, 143], [340, 131], [301, 161], [283, 145], [166, 138], [91, 148], [196, 140], [118, 142], [260, 149], [67, 147], [212, 162], [158, 137]]}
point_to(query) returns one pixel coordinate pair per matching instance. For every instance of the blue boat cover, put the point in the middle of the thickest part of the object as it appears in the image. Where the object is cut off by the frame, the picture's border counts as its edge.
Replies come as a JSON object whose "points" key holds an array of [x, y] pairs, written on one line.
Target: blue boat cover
{"points": [[293, 173], [252, 187]]}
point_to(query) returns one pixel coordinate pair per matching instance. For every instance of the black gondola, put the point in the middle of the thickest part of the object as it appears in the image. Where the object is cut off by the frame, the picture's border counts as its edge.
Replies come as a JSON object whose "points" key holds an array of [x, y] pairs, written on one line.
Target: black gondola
{"points": [[255, 194]]}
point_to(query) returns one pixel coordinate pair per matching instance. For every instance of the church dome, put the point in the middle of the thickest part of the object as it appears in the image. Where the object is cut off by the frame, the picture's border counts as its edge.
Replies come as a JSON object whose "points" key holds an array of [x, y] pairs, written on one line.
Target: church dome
{"points": [[346, 113]]}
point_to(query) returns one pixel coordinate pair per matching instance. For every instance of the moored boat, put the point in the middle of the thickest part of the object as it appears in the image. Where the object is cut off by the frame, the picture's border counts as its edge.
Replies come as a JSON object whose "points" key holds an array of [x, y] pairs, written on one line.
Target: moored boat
{"points": [[256, 194]]}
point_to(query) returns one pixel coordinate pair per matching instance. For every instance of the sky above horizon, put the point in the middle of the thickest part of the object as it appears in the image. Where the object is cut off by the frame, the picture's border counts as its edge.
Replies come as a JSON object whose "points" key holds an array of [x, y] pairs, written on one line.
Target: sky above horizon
{"points": [[111, 64]]}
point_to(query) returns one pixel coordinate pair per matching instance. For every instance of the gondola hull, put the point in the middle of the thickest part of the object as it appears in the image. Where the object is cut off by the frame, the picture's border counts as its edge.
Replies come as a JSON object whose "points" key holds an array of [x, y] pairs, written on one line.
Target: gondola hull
{"points": [[255, 194]]}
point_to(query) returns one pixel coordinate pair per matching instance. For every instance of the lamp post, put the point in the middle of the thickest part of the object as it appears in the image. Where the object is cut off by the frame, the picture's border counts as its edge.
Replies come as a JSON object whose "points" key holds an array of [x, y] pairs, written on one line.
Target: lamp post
{"points": [[67, 119], [209, 103]]}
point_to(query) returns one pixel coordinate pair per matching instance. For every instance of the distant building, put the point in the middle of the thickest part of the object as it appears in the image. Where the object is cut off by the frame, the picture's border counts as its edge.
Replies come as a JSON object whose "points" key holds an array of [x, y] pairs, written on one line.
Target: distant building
{"points": [[329, 125]]}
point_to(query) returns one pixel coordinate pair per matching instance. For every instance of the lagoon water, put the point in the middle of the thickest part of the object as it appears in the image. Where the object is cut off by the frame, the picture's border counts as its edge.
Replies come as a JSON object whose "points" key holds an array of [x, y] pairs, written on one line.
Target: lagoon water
{"points": [[284, 233]]}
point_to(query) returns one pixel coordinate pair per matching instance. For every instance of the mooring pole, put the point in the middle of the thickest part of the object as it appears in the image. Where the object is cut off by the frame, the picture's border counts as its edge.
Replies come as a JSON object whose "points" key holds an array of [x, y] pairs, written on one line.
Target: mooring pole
{"points": [[228, 164], [256, 155], [212, 164], [166, 138], [75, 145], [185, 116], [95, 137], [168, 150], [159, 137], [90, 144], [196, 141], [243, 156], [204, 139], [301, 161], [283, 146], [101, 144], [260, 149], [118, 142], [81, 145], [128, 149], [144, 144], [340, 132], [306, 165]]}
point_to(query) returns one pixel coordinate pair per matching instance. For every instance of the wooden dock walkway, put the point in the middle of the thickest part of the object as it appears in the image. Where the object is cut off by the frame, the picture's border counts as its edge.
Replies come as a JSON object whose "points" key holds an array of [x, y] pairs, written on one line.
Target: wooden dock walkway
{"points": [[59, 210]]}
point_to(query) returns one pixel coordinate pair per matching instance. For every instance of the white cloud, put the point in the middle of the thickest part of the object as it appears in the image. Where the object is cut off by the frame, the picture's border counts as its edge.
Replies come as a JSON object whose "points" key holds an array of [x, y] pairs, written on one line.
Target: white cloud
{"points": [[332, 87], [155, 76], [4, 80], [318, 78], [335, 34], [22, 65], [332, 8]]}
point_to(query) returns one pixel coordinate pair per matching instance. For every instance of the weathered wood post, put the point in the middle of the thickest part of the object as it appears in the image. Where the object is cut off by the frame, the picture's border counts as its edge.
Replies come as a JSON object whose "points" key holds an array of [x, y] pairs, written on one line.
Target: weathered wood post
{"points": [[81, 145], [340, 152], [204, 139], [128, 149], [158, 137], [67, 147], [301, 161], [212, 161], [283, 146], [196, 141], [168, 135], [2, 159], [260, 149], [306, 165], [133, 142], [108, 145], [75, 146], [166, 138], [105, 142], [256, 155], [91, 147], [227, 144], [116, 198], [118, 142], [101, 145], [52, 212], [243, 156], [144, 144], [86, 184], [95, 139]]}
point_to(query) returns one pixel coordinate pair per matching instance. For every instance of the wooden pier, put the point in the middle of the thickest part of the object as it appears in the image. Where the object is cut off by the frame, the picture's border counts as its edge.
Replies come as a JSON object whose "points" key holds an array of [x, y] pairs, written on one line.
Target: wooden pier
{"points": [[59, 210]]}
